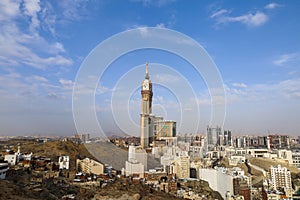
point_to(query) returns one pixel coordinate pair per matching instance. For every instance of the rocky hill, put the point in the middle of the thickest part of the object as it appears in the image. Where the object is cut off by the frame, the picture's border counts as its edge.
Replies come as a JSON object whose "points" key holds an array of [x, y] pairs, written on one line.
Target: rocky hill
{"points": [[52, 149], [265, 164], [105, 152]]}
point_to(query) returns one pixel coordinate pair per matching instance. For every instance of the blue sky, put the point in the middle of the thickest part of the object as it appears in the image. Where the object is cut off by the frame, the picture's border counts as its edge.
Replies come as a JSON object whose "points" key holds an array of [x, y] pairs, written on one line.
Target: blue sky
{"points": [[255, 46]]}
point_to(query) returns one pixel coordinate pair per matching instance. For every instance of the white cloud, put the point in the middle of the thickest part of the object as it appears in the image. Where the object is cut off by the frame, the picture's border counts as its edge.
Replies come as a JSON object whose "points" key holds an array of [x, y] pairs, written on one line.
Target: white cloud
{"points": [[67, 84], [9, 9], [165, 78], [52, 95], [49, 18], [18, 86], [256, 19], [12, 83], [24, 45], [282, 90], [73, 10], [251, 19], [158, 3], [292, 72], [38, 78], [160, 25], [286, 58], [144, 31], [289, 88], [31, 8], [219, 12], [57, 48], [102, 89], [240, 85], [272, 6]]}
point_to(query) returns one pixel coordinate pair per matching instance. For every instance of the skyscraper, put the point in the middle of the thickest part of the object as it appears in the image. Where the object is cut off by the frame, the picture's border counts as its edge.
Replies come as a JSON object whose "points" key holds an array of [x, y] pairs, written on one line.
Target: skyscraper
{"points": [[227, 137], [214, 136], [146, 109], [210, 139]]}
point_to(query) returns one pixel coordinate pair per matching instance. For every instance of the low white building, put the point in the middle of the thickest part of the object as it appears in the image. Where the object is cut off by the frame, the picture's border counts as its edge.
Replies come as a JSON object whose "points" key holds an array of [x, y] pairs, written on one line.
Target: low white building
{"points": [[3, 170], [26, 156], [12, 159], [230, 151], [137, 154], [134, 168], [64, 162], [234, 160], [241, 152], [137, 161], [222, 179], [216, 179], [285, 155], [258, 153]]}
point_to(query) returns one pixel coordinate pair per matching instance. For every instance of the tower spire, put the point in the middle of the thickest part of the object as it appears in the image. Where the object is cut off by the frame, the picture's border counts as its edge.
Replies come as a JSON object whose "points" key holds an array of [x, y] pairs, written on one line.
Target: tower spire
{"points": [[147, 72]]}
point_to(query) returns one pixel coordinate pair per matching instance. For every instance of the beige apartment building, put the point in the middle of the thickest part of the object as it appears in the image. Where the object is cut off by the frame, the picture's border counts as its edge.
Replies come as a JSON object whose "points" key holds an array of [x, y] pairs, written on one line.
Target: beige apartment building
{"points": [[89, 166]]}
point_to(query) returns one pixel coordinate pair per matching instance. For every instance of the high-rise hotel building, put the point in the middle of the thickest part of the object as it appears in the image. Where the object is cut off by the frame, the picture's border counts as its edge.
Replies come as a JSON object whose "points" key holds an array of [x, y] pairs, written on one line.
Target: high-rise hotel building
{"points": [[146, 109], [153, 128]]}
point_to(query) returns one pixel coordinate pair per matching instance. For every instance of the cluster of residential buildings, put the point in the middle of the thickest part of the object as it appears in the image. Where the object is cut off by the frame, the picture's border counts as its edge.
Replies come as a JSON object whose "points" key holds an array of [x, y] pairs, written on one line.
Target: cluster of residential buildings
{"points": [[196, 156], [44, 167], [19, 159], [182, 160]]}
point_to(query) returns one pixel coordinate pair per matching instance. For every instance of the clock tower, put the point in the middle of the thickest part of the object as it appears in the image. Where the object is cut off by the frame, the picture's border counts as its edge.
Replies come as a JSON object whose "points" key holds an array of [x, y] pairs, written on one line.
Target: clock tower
{"points": [[146, 109]]}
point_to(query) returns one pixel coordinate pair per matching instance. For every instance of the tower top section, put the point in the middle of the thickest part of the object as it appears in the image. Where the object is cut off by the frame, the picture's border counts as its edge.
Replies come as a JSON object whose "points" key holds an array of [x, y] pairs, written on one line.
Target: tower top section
{"points": [[147, 71]]}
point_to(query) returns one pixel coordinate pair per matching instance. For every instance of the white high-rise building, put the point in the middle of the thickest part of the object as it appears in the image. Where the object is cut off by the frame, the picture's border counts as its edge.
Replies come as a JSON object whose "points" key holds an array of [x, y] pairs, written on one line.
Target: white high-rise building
{"points": [[137, 154], [137, 161], [214, 136], [280, 178]]}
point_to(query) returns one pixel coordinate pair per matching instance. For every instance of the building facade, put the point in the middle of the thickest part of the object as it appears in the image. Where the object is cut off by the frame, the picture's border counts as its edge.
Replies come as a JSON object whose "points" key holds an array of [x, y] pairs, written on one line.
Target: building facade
{"points": [[280, 179], [296, 159], [165, 129], [137, 162], [227, 138], [12, 159], [214, 136], [64, 162], [182, 166], [89, 166], [3, 170]]}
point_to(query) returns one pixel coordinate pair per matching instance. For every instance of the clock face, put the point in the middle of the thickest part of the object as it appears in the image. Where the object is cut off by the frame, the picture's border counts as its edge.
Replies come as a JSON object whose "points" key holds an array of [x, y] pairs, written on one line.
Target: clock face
{"points": [[145, 85]]}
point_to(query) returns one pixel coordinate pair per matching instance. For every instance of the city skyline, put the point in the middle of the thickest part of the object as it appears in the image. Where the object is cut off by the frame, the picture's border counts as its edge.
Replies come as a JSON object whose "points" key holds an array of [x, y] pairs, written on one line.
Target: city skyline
{"points": [[254, 46]]}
